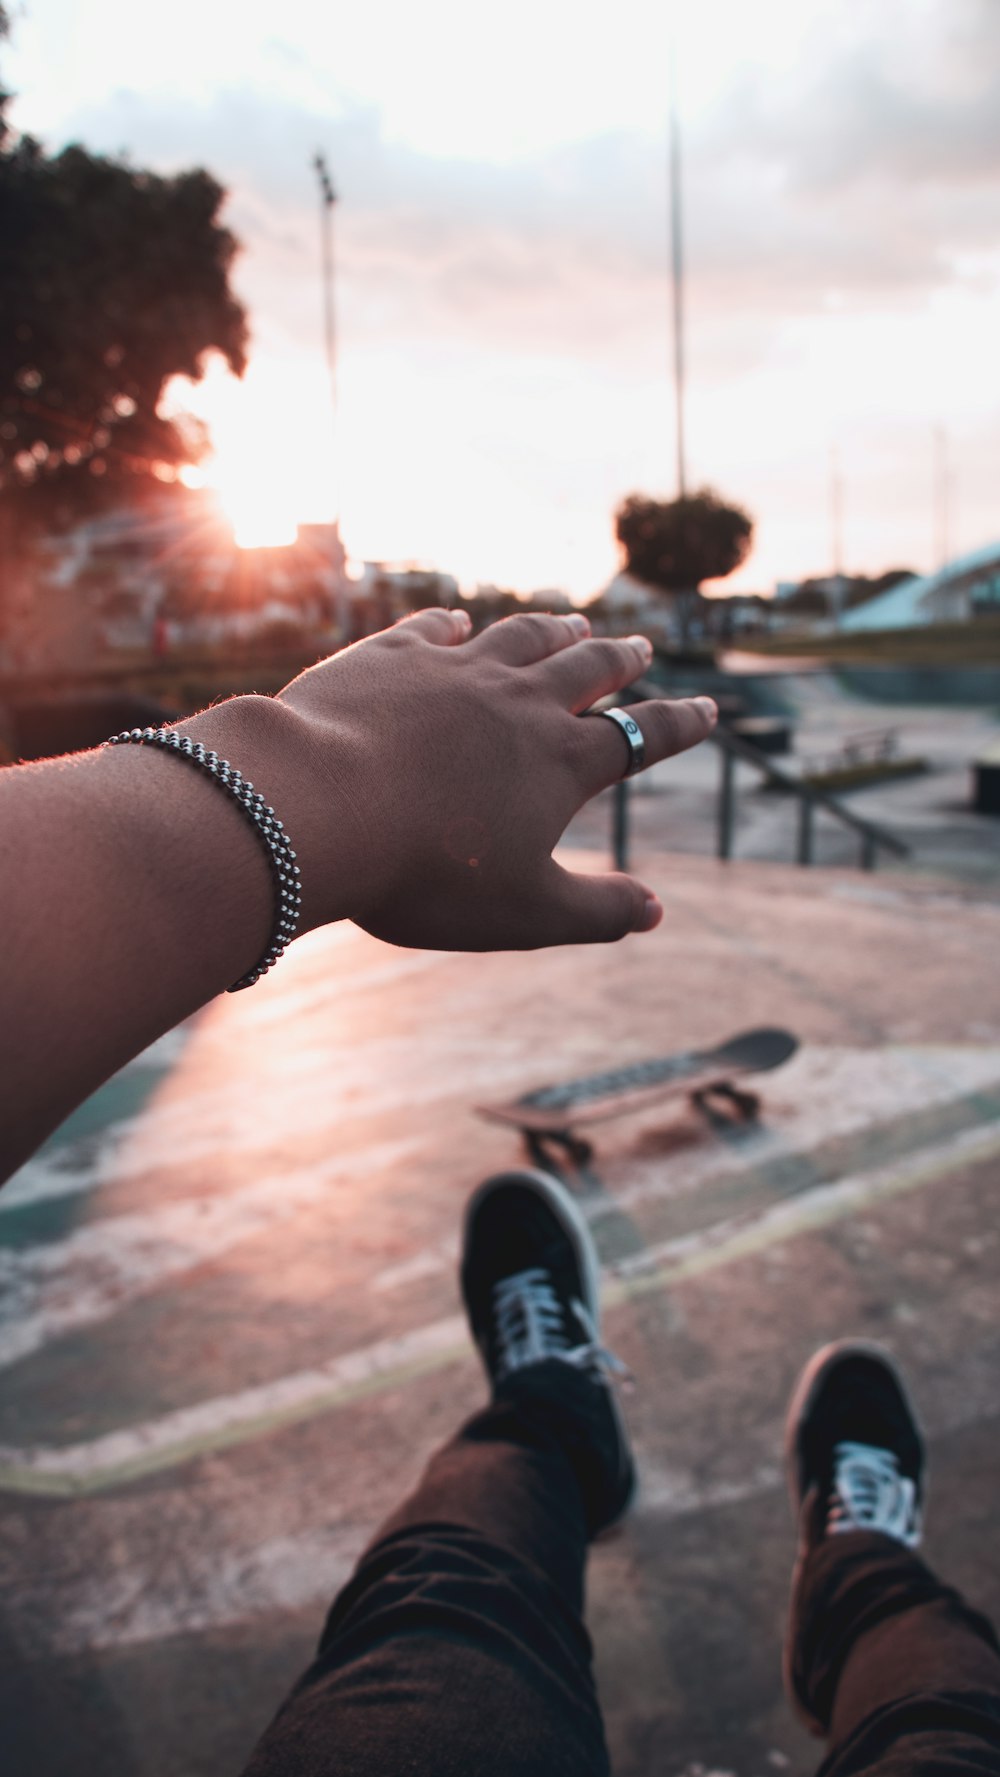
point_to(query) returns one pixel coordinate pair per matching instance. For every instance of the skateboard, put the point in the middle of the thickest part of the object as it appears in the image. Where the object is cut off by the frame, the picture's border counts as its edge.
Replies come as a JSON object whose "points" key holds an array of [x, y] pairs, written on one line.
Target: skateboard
{"points": [[706, 1076]]}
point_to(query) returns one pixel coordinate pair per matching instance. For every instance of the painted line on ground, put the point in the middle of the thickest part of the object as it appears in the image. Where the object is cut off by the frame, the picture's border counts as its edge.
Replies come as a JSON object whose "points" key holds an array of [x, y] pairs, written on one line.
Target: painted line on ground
{"points": [[819, 1207], [217, 1424], [59, 1287], [822, 1095], [217, 1587], [233, 1419], [178, 1140], [823, 1092], [825, 1096]]}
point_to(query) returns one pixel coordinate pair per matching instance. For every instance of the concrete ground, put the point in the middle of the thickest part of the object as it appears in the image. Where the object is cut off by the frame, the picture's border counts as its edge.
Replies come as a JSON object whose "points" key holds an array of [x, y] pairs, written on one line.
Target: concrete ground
{"points": [[229, 1325]]}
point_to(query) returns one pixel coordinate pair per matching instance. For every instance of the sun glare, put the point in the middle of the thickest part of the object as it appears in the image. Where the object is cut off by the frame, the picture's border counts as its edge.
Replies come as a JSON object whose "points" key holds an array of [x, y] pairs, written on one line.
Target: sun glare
{"points": [[270, 467], [258, 502], [257, 523]]}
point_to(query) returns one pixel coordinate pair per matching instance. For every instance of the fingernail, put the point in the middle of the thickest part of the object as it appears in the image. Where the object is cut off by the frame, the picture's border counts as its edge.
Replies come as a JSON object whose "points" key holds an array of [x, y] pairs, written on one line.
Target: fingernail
{"points": [[642, 642], [652, 914], [463, 618], [579, 623], [710, 707]]}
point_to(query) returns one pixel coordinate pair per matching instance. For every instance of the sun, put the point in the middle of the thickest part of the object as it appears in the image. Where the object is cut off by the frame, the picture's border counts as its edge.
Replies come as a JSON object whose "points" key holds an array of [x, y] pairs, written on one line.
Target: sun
{"points": [[260, 516], [269, 465], [253, 496]]}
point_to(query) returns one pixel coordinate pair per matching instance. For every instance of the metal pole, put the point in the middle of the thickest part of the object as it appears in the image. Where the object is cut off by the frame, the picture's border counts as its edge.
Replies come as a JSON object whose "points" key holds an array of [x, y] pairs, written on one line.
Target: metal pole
{"points": [[677, 272], [727, 787], [836, 512], [837, 527], [941, 500], [806, 812], [619, 825], [327, 199]]}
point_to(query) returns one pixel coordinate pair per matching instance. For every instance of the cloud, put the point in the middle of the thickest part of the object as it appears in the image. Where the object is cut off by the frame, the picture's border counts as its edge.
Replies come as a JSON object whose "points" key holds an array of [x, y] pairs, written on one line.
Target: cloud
{"points": [[876, 178], [919, 108], [867, 176]]}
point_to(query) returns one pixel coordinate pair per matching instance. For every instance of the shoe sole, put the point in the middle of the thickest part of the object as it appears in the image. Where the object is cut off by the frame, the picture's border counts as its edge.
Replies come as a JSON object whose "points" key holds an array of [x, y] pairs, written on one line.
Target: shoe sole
{"points": [[806, 1391], [558, 1199]]}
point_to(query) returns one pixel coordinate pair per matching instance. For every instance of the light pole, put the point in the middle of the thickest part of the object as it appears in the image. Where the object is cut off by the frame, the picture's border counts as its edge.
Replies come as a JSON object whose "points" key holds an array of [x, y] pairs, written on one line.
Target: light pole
{"points": [[327, 199]]}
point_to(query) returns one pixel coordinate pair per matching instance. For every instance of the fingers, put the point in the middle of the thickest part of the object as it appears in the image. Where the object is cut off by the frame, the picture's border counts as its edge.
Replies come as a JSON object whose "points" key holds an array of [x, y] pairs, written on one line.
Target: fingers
{"points": [[667, 728], [596, 668], [446, 628], [598, 909], [520, 641]]}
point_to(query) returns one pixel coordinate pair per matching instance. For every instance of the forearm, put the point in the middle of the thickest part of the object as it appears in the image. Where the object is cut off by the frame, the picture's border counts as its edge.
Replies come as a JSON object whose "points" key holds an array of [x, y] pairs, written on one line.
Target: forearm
{"points": [[132, 892], [423, 778]]}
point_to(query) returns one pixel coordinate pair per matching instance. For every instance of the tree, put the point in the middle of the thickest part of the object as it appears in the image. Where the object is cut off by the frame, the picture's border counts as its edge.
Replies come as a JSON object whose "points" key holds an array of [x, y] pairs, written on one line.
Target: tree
{"points": [[112, 280], [673, 545], [860, 589]]}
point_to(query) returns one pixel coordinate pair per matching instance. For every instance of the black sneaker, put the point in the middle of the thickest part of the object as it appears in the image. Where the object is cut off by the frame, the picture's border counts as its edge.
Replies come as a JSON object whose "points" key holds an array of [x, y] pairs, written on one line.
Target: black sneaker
{"points": [[854, 1455], [852, 1440], [530, 1283]]}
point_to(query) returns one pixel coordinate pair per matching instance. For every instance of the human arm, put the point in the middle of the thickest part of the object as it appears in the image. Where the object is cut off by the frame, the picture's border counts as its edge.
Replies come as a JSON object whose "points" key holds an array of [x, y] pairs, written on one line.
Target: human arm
{"points": [[424, 779]]}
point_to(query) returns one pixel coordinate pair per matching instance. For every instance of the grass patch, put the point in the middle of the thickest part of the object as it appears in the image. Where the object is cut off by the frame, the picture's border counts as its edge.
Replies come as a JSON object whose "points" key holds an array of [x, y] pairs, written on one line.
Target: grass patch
{"points": [[929, 645], [871, 771]]}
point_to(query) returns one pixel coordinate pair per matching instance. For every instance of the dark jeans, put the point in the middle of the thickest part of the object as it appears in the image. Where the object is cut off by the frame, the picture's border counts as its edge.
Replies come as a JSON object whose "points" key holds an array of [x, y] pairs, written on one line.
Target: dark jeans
{"points": [[458, 1648]]}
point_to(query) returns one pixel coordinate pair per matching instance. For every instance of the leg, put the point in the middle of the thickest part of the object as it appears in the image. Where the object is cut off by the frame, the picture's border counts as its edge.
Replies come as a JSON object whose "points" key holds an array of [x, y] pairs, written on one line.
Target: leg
{"points": [[892, 1666], [458, 1646]]}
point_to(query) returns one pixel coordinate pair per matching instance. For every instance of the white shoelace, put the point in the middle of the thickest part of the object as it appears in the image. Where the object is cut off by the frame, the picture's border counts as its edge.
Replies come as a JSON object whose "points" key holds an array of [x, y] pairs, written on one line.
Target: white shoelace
{"points": [[869, 1493], [531, 1326]]}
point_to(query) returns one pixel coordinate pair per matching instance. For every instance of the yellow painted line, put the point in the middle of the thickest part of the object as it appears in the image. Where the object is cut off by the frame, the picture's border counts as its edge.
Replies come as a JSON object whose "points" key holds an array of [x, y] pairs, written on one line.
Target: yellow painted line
{"points": [[214, 1425], [820, 1207], [67, 1483]]}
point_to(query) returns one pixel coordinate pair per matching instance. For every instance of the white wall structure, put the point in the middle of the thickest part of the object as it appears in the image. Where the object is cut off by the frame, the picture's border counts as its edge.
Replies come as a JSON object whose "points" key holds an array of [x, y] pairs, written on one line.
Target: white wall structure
{"points": [[965, 588], [627, 604]]}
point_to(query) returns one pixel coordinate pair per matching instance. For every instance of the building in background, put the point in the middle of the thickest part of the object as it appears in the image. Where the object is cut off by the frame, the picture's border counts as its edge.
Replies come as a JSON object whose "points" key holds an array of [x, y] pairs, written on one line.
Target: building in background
{"points": [[147, 582], [961, 591]]}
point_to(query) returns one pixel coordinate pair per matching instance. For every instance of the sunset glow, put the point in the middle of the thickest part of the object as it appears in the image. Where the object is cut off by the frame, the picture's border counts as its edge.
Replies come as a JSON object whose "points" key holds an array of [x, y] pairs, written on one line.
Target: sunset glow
{"points": [[502, 269], [270, 466], [260, 517]]}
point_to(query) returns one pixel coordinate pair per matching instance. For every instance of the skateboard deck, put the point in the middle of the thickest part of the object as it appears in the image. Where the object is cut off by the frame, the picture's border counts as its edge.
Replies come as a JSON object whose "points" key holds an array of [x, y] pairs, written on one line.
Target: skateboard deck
{"points": [[699, 1073]]}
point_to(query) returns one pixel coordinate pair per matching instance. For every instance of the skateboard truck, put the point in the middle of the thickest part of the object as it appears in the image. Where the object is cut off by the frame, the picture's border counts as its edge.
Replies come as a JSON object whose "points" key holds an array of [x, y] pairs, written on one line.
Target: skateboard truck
{"points": [[568, 1146], [546, 1146], [745, 1104]]}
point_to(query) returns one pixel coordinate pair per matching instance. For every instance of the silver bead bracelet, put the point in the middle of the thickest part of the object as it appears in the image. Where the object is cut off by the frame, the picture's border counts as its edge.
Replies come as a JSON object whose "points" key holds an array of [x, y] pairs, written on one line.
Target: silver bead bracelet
{"points": [[280, 856]]}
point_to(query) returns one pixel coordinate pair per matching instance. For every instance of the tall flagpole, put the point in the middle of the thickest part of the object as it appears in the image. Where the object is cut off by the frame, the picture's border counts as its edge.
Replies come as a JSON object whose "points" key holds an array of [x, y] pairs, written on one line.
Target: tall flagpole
{"points": [[942, 502], [836, 512], [677, 272]]}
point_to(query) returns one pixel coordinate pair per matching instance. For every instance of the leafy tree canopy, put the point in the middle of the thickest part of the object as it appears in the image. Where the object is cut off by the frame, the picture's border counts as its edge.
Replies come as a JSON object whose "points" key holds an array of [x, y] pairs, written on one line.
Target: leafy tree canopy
{"points": [[112, 280], [673, 545]]}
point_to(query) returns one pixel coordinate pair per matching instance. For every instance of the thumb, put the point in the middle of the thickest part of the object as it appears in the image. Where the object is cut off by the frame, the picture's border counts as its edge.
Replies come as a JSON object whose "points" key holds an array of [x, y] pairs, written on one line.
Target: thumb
{"points": [[600, 909]]}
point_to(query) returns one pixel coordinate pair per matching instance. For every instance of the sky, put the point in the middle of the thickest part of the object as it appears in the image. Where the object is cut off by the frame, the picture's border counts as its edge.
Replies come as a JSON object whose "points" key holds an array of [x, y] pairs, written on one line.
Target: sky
{"points": [[502, 262]]}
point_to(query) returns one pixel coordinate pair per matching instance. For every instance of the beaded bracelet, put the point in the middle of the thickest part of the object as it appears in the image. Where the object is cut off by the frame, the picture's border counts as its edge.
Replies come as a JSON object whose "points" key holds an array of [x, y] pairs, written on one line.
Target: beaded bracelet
{"points": [[262, 817]]}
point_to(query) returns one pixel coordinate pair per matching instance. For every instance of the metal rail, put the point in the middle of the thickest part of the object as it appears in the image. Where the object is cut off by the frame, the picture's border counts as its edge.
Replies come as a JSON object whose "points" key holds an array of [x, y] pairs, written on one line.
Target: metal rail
{"points": [[733, 748]]}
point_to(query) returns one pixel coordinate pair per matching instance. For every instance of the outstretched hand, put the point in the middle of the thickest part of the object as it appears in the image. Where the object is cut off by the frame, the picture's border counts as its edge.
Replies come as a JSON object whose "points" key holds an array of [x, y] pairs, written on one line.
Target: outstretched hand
{"points": [[423, 777], [439, 771]]}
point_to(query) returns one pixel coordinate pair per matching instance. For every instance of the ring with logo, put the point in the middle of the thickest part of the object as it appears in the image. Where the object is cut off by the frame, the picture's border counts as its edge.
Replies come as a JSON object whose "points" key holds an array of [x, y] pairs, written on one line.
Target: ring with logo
{"points": [[633, 734]]}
